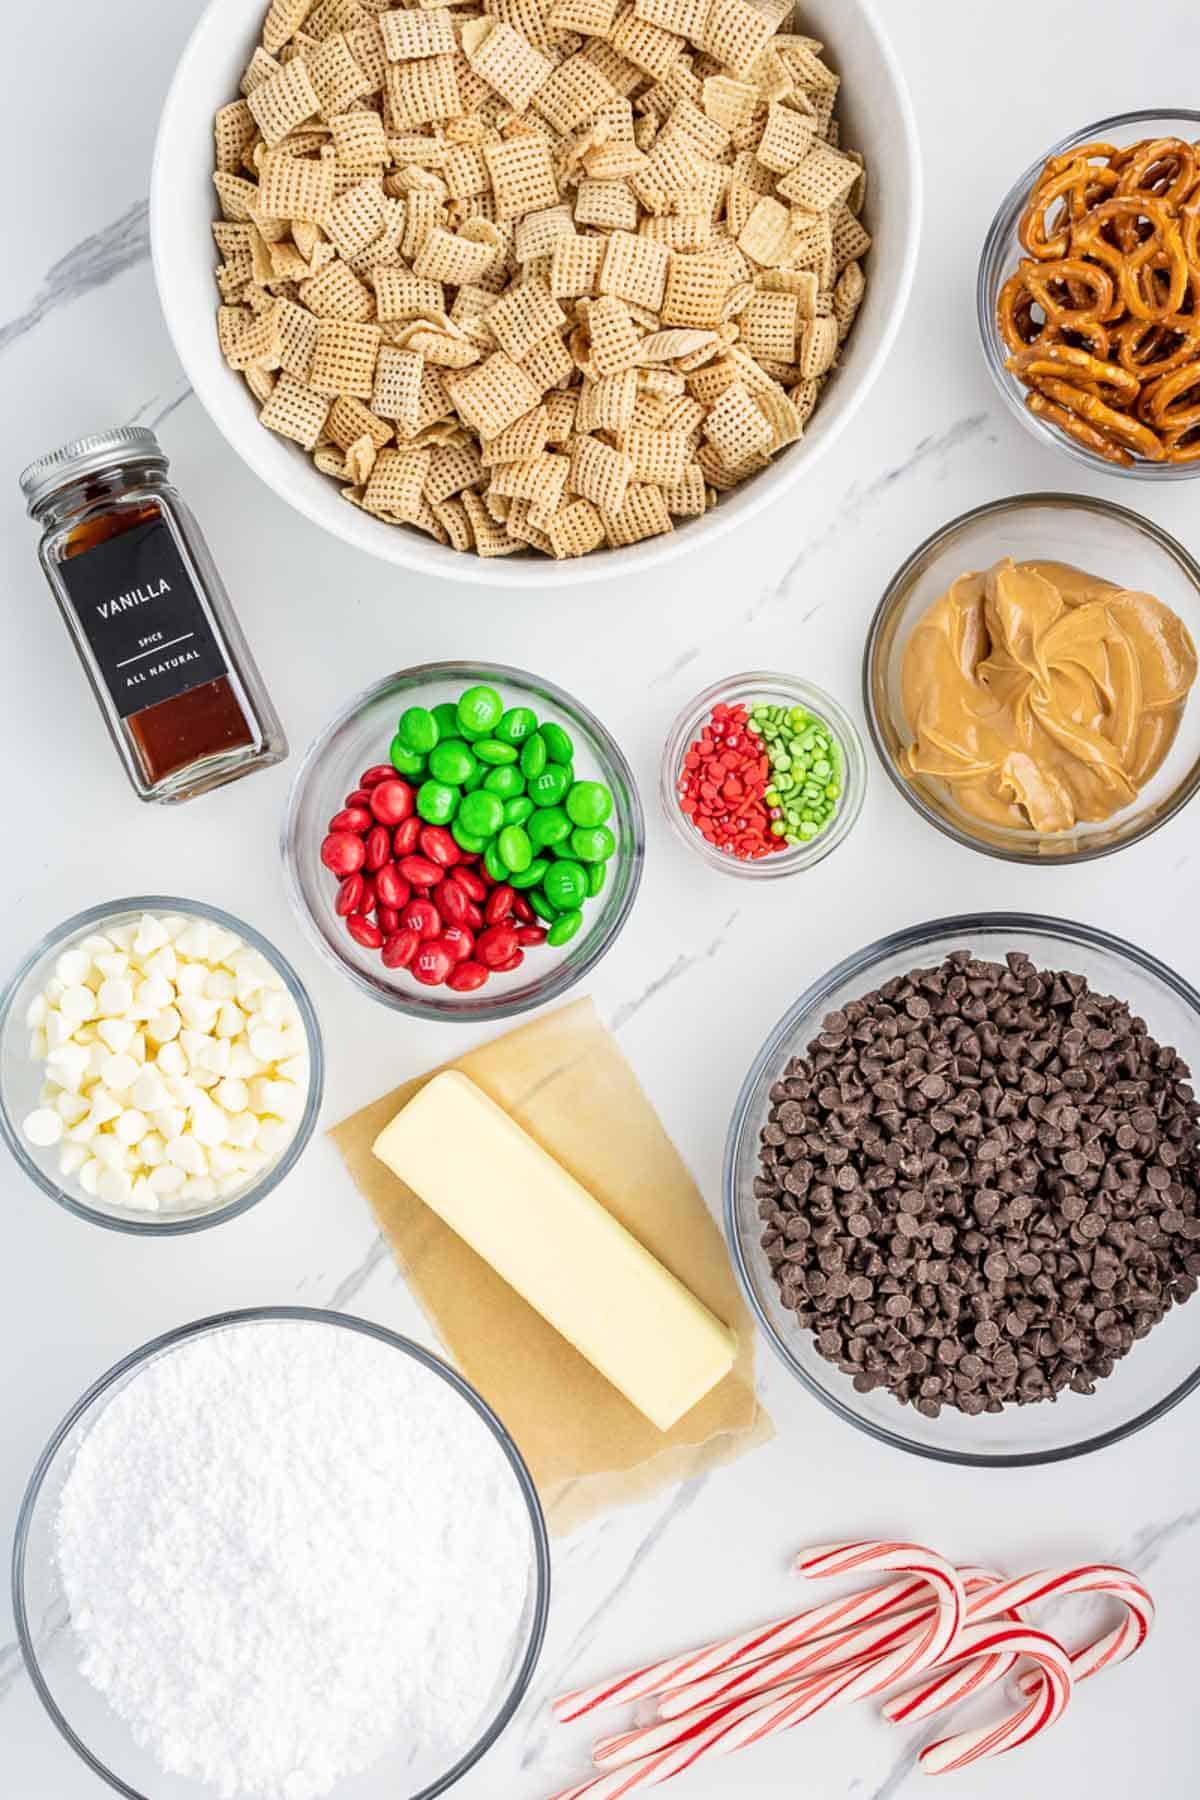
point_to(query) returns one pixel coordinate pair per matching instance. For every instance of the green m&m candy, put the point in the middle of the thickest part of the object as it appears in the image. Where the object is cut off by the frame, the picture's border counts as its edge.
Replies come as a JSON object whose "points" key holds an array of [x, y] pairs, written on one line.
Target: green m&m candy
{"points": [[565, 886], [417, 730], [445, 717], [588, 803], [542, 906], [517, 810], [436, 802], [474, 846], [404, 760], [516, 725], [481, 813], [550, 787], [494, 863], [507, 781], [530, 877], [533, 756], [592, 843], [549, 825], [564, 927], [490, 750], [516, 851], [559, 747], [451, 762], [480, 709]]}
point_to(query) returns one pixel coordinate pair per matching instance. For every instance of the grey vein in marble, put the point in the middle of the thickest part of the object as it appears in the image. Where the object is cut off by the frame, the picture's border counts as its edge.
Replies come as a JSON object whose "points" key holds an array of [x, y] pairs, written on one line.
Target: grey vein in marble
{"points": [[90, 264], [679, 967], [682, 1501], [155, 419], [12, 1667], [358, 1277], [1146, 1546], [899, 1772], [681, 662], [858, 500]]}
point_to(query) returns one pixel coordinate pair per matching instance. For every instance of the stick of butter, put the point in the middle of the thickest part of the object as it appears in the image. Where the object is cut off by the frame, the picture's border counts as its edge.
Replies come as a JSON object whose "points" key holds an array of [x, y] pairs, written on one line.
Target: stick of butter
{"points": [[570, 1259]]}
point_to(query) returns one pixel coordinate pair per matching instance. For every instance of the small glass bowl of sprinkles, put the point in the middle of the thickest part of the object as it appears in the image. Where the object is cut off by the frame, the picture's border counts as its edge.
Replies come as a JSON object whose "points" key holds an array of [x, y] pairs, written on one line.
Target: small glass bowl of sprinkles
{"points": [[763, 775]]}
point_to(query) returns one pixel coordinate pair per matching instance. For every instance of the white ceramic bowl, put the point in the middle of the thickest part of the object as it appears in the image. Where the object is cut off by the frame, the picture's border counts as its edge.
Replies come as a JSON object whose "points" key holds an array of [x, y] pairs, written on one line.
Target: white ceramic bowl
{"points": [[878, 120]]}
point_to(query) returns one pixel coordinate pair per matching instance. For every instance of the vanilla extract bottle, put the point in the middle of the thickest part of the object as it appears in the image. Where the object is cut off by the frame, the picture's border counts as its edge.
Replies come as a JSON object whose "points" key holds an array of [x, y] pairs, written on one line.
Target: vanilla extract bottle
{"points": [[149, 616]]}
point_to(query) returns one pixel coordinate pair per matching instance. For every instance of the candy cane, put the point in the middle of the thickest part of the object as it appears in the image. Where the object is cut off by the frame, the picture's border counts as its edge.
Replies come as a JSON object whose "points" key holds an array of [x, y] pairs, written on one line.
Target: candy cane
{"points": [[870, 1638], [958, 1679], [828, 1560], [1041, 1711], [735, 1726], [1111, 1647], [781, 1634], [781, 1707]]}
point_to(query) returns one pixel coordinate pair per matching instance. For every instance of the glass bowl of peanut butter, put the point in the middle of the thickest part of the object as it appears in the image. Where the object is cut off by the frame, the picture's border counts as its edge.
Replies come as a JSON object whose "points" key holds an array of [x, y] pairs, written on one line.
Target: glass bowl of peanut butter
{"points": [[1030, 674]]}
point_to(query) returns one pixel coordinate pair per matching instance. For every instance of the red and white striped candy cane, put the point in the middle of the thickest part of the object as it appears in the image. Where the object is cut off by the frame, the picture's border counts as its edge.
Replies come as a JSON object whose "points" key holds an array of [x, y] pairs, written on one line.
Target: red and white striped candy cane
{"points": [[719, 1731], [781, 1707], [958, 1678], [788, 1633], [1111, 1647], [828, 1560], [1055, 1682], [871, 1638]]}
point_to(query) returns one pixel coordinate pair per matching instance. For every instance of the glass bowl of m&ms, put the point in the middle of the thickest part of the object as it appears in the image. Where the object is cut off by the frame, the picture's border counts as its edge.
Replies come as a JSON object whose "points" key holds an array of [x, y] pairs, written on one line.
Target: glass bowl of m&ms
{"points": [[763, 775], [464, 841]]}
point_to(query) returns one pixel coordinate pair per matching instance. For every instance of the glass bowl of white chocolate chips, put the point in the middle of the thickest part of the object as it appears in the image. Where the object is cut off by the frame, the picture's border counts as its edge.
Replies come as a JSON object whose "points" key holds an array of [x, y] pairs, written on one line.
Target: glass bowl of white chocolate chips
{"points": [[160, 1065]]}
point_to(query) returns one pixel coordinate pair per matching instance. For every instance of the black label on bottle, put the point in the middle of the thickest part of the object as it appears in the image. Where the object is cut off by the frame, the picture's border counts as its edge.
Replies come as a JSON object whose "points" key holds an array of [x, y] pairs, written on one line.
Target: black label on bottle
{"points": [[142, 616]]}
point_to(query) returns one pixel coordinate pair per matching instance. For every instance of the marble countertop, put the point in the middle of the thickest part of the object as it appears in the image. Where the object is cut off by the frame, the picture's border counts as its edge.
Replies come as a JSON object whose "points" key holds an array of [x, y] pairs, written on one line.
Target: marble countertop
{"points": [[691, 989]]}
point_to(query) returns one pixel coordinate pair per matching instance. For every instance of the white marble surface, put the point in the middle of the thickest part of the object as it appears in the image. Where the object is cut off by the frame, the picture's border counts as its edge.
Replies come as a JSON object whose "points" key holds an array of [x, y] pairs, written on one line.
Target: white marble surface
{"points": [[707, 963]]}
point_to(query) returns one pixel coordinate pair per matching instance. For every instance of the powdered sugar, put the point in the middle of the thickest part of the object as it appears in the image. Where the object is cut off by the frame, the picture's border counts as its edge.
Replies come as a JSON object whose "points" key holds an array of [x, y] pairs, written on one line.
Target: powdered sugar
{"points": [[287, 1548]]}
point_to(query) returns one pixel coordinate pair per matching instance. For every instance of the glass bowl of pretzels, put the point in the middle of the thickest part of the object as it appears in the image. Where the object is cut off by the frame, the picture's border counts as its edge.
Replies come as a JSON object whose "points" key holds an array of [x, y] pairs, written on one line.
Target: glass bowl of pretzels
{"points": [[534, 306], [1089, 295]]}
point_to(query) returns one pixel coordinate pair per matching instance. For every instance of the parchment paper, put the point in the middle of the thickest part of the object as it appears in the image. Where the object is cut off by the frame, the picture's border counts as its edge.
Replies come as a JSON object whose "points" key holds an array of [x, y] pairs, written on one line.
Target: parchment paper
{"points": [[564, 1080]]}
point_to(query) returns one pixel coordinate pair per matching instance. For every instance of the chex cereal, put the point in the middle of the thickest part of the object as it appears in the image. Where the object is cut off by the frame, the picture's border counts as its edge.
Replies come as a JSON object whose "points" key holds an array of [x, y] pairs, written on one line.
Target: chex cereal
{"points": [[536, 275]]}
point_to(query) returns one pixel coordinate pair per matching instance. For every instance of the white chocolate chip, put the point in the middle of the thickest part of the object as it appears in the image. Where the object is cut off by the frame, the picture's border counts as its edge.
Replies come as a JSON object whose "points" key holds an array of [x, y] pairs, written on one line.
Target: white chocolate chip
{"points": [[170, 1121], [149, 1090], [151, 935], [73, 967], [43, 1127], [115, 997], [154, 994], [273, 1136], [152, 1149], [232, 1094], [188, 1153], [164, 1027], [71, 1158], [118, 1073], [131, 1127], [171, 1059], [78, 1003], [118, 1034], [265, 1043], [193, 940]]}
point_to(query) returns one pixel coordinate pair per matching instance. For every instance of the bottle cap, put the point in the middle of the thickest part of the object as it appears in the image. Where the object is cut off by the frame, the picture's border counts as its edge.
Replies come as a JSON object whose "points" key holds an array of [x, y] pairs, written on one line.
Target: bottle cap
{"points": [[115, 449]]}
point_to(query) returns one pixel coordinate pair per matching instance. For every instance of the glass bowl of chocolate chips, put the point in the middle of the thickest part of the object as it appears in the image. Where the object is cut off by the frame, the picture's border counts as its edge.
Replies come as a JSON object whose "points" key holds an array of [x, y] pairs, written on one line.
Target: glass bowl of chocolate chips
{"points": [[962, 1189]]}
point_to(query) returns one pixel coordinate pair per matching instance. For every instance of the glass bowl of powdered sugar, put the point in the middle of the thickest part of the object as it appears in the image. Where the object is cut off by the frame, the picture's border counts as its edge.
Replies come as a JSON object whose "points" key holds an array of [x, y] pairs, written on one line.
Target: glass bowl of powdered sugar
{"points": [[281, 1554]]}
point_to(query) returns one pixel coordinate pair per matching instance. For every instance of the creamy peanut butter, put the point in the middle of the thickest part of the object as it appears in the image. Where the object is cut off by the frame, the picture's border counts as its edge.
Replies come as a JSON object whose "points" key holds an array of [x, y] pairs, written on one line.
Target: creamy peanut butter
{"points": [[1043, 696]]}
